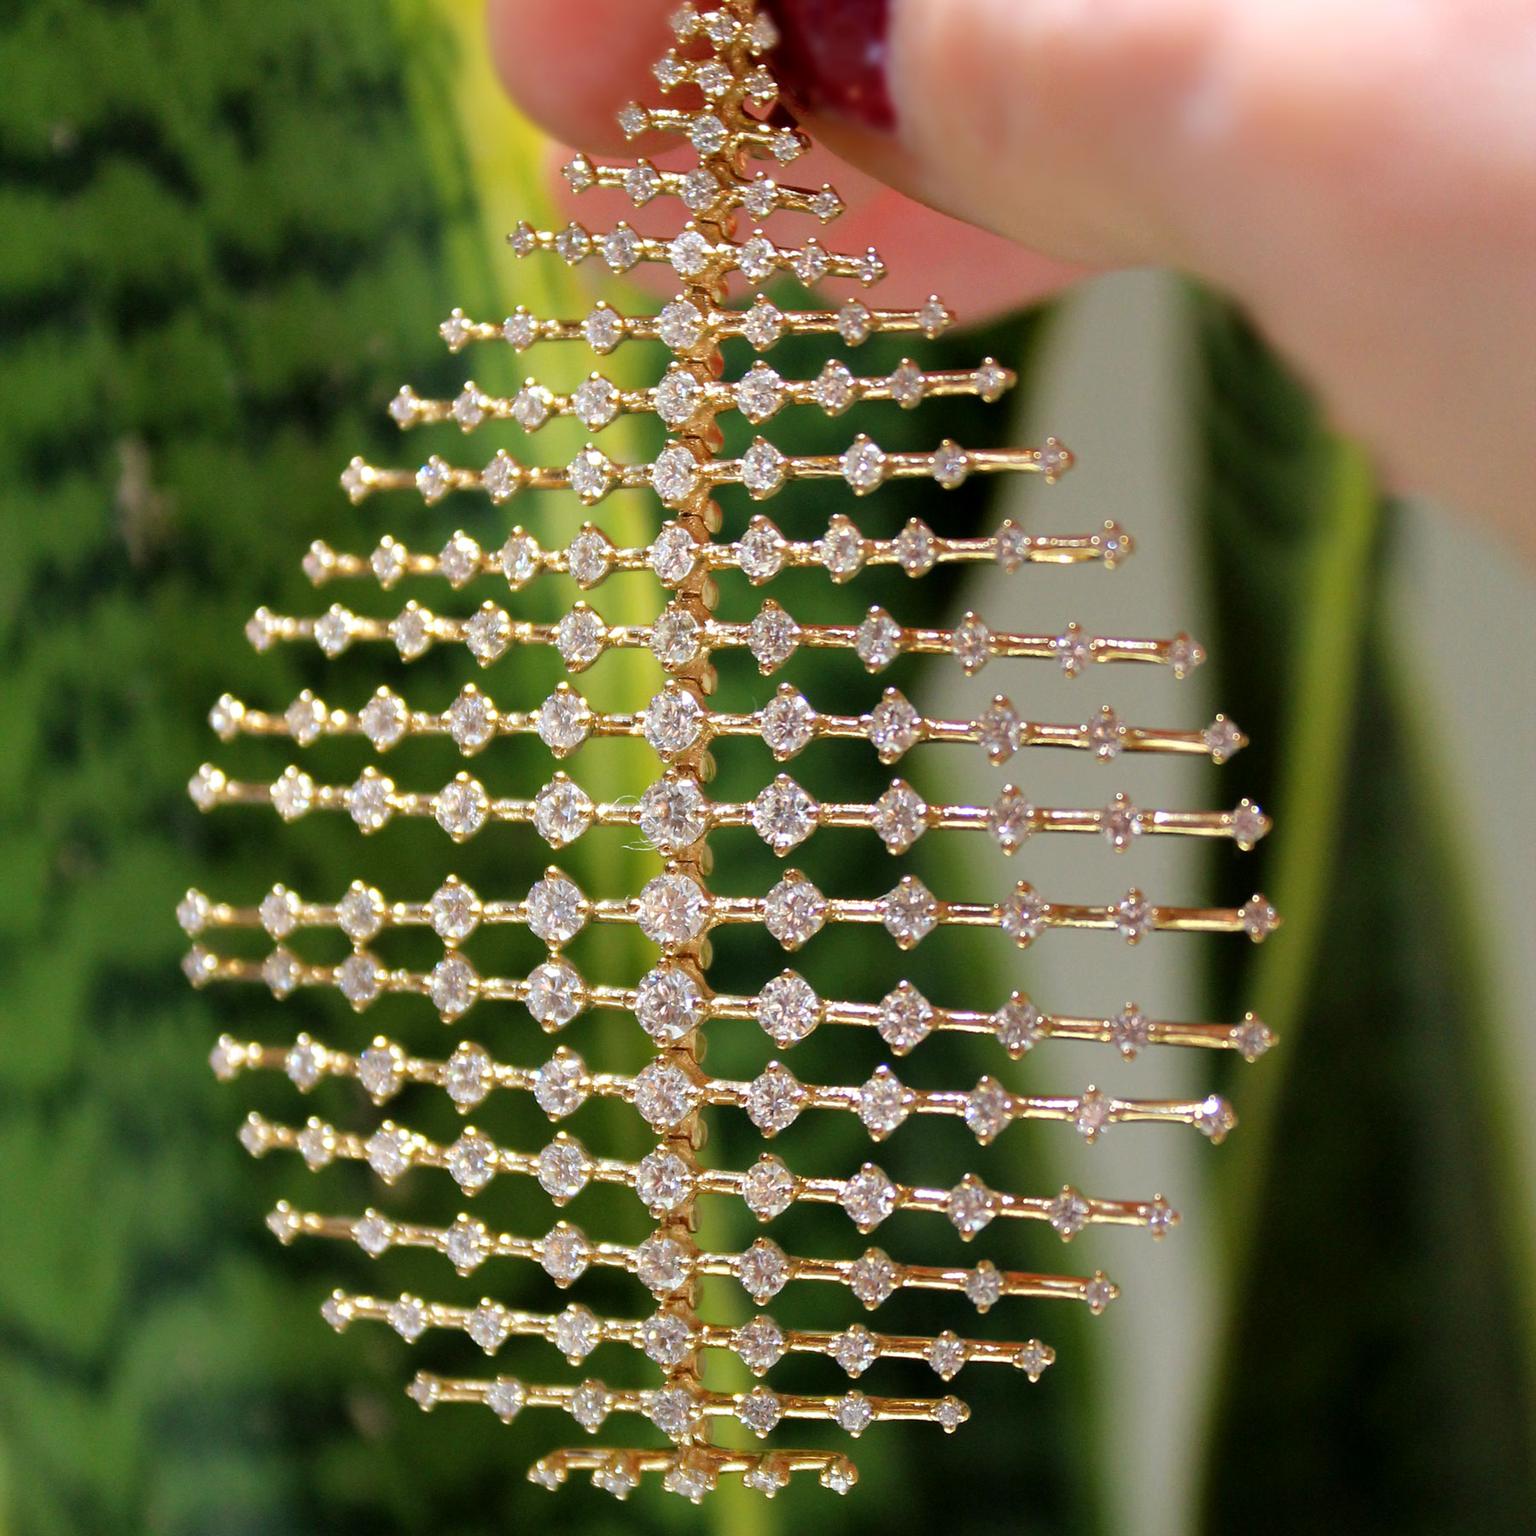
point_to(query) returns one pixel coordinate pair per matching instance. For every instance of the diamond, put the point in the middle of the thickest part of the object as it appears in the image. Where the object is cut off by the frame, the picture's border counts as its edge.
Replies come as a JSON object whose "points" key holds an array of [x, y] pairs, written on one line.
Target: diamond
{"points": [[668, 1003], [869, 1197], [950, 464], [763, 469], [580, 636], [408, 1317], [916, 548], [1024, 915], [673, 910], [690, 254], [1129, 1031], [884, 1102], [762, 324], [674, 813], [563, 1169], [305, 1063], [359, 979], [454, 910], [674, 474], [411, 630], [557, 911], [872, 1277], [787, 1009], [565, 1253], [677, 396], [674, 1411], [1011, 819], [1092, 1115], [933, 318], [905, 1018], [1133, 917], [700, 189], [708, 134], [1074, 650], [984, 1286], [794, 910], [505, 1398], [674, 554], [673, 721], [1000, 730], [1105, 734], [603, 328], [1215, 1118], [900, 817], [971, 1206], [662, 1265], [488, 1325], [192, 912], [572, 244], [280, 970], [911, 912], [680, 325], [520, 558], [388, 1152], [759, 392], [774, 1099], [1184, 655], [487, 633], [1120, 824], [472, 1162], [1252, 1037], [784, 815], [894, 726], [471, 720], [760, 1344], [589, 1405], [501, 477], [947, 1355], [560, 1085], [1223, 739], [760, 1410], [864, 465], [675, 638], [854, 1349], [988, 1109], [1249, 824], [878, 640], [972, 644], [381, 1070], [666, 1339], [767, 1188], [772, 637], [373, 1234], [519, 330], [563, 720], [317, 1143], [462, 807], [434, 480], [596, 402], [907, 384], [621, 248], [360, 913], [663, 1181], [1069, 1212], [1258, 918], [760, 550], [306, 718], [556, 993], [664, 1095], [787, 723], [1098, 1293], [763, 1270], [834, 388], [469, 1077], [293, 794]]}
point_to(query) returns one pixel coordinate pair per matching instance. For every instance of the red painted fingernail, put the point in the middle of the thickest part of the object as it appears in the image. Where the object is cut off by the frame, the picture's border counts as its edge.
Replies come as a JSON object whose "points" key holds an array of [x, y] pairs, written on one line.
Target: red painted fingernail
{"points": [[832, 57]]}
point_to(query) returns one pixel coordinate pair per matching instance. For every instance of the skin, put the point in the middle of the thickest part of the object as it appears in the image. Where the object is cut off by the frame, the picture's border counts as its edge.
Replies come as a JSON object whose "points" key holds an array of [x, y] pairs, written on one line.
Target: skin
{"points": [[1360, 174]]}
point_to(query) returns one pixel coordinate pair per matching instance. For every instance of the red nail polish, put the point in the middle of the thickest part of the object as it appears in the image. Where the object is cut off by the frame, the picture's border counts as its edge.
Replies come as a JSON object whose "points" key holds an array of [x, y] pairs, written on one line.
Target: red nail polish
{"points": [[832, 57]]}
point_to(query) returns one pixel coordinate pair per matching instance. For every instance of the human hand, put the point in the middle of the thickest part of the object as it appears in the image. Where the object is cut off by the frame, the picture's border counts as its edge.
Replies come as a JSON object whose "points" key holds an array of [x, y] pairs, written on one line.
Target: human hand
{"points": [[1360, 175]]}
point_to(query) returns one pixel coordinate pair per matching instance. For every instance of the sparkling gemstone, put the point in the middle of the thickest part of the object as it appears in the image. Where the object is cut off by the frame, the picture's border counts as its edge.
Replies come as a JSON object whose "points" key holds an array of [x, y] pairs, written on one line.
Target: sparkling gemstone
{"points": [[1259, 918], [360, 913], [864, 465], [664, 1095], [469, 1076], [878, 641], [293, 794], [1133, 916], [642, 183], [434, 480], [408, 1317], [675, 637], [872, 1277], [674, 813], [905, 1018], [1184, 655], [911, 912], [557, 911], [1069, 1212], [580, 637], [280, 970], [1000, 730], [488, 1325], [1252, 1037], [854, 1349], [690, 253], [900, 817], [1222, 739], [973, 644], [700, 189], [767, 1188], [760, 1344], [621, 248], [674, 1411], [869, 1197], [472, 1161], [589, 1405], [555, 993], [1249, 824], [359, 980], [565, 1253], [673, 910], [381, 1070], [834, 388], [505, 1398], [461, 807], [596, 401], [971, 1206], [520, 558], [1120, 824], [763, 1270], [680, 325], [894, 726], [763, 468], [759, 392], [560, 1085], [784, 815], [772, 637], [787, 1009], [674, 553], [411, 630], [562, 811], [373, 1234], [668, 1003], [907, 384], [563, 1169], [810, 266], [674, 474], [388, 1152], [950, 465], [662, 1265], [662, 1181], [1129, 1031], [673, 720], [305, 1063], [454, 910], [471, 720], [947, 1355], [1093, 1114], [501, 477], [984, 1286], [884, 1102], [589, 556], [760, 550], [1215, 1118], [1024, 915], [916, 548], [1011, 819], [603, 328], [563, 721], [853, 322], [677, 396], [760, 1410], [794, 910], [487, 633], [1098, 1293], [787, 723], [519, 330], [762, 324], [774, 1099], [666, 1339], [988, 1109], [708, 134]]}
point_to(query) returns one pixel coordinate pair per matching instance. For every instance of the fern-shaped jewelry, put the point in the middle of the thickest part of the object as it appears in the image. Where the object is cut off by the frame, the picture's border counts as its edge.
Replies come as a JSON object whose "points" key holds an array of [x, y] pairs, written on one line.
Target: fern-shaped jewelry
{"points": [[718, 70]]}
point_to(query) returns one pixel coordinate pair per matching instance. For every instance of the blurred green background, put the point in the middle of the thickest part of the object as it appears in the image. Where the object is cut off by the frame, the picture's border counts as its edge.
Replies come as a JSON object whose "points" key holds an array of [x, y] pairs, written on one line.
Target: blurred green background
{"points": [[228, 233]]}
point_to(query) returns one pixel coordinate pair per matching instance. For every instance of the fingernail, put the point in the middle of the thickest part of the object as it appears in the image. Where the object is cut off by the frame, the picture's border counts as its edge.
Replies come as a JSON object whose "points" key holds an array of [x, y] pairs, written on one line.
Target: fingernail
{"points": [[832, 57]]}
